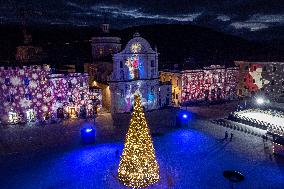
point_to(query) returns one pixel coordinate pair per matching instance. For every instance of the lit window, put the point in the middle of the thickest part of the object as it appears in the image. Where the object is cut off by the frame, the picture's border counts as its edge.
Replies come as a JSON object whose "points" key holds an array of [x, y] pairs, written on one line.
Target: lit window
{"points": [[13, 117], [101, 51], [42, 80]]}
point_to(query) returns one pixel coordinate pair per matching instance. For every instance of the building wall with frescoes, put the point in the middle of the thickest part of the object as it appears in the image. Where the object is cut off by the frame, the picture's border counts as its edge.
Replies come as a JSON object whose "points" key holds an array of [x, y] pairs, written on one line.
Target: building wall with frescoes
{"points": [[210, 83], [33, 93], [266, 78]]}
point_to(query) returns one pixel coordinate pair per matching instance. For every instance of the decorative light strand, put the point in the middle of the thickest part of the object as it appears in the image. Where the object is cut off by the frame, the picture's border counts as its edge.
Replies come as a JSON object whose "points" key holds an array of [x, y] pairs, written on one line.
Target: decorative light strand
{"points": [[138, 166]]}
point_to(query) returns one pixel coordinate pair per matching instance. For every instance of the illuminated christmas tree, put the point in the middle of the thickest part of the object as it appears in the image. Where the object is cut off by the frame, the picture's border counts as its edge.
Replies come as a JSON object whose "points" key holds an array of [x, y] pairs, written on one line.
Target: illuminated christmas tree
{"points": [[138, 166]]}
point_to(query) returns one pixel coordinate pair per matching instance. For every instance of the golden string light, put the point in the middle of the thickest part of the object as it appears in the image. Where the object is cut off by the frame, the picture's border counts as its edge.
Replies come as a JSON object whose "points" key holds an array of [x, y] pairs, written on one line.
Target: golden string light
{"points": [[138, 166]]}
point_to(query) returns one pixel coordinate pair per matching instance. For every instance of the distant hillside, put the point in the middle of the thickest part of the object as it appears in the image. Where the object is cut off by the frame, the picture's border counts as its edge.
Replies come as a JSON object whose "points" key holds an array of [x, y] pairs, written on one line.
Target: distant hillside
{"points": [[71, 45], [205, 46]]}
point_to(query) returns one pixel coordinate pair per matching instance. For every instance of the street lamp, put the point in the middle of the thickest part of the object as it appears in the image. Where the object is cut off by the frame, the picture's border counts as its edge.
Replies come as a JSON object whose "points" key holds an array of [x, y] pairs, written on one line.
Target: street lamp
{"points": [[260, 100]]}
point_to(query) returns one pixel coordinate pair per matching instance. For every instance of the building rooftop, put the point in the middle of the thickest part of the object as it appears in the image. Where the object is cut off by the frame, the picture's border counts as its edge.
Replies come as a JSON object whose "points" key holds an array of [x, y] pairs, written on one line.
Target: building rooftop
{"points": [[250, 62]]}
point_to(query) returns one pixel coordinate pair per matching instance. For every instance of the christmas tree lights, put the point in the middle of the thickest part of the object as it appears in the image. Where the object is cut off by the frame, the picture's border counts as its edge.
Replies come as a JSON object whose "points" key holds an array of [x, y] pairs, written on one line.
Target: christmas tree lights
{"points": [[138, 166]]}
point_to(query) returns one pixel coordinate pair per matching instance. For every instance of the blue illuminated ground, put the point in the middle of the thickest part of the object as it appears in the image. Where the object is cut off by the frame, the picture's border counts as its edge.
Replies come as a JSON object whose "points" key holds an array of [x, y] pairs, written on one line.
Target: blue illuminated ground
{"points": [[189, 158]]}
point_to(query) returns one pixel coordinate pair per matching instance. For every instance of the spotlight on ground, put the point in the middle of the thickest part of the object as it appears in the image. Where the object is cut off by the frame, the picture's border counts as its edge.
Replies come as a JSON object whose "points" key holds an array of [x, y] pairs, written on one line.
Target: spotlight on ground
{"points": [[184, 116], [88, 135], [183, 119], [88, 130]]}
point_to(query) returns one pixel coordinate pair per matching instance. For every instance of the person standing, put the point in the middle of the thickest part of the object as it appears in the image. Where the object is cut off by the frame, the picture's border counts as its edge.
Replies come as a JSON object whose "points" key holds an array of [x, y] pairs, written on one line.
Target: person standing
{"points": [[231, 138], [226, 135], [95, 114]]}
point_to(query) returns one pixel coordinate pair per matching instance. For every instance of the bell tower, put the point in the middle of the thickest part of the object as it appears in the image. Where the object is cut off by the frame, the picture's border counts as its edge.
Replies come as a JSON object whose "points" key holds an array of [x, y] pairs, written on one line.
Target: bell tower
{"points": [[105, 28]]}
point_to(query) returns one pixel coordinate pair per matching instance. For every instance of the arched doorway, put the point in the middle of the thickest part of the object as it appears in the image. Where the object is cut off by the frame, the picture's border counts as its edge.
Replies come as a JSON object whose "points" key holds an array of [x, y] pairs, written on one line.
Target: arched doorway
{"points": [[213, 94], [219, 93], [206, 95], [83, 111], [60, 113], [31, 115], [72, 112]]}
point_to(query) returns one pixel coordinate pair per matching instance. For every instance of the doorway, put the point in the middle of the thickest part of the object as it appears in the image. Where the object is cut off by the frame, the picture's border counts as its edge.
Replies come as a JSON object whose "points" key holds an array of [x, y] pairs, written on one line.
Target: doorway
{"points": [[60, 113], [13, 117], [31, 116], [72, 112]]}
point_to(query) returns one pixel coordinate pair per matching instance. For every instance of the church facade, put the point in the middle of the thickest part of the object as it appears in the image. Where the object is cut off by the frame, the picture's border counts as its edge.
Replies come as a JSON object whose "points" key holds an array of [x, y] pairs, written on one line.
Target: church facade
{"points": [[135, 71]]}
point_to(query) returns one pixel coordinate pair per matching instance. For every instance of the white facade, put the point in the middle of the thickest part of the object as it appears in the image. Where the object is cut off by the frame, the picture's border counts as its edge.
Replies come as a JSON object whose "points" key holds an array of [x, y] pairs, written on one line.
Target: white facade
{"points": [[135, 71]]}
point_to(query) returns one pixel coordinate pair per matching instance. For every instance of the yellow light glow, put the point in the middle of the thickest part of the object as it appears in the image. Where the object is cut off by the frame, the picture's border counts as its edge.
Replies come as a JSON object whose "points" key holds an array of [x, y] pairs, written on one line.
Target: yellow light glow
{"points": [[138, 166], [136, 47], [72, 112]]}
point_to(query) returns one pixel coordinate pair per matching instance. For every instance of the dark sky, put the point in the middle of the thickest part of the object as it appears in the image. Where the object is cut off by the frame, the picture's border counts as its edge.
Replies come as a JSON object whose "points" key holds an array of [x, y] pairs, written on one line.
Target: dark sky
{"points": [[232, 16]]}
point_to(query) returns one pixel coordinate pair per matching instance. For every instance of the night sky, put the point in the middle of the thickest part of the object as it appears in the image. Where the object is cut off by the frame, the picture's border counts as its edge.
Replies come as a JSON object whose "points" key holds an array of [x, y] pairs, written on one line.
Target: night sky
{"points": [[231, 16]]}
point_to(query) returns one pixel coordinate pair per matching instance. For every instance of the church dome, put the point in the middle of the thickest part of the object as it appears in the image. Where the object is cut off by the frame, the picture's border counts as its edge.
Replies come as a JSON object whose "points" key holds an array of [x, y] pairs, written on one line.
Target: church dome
{"points": [[138, 45]]}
